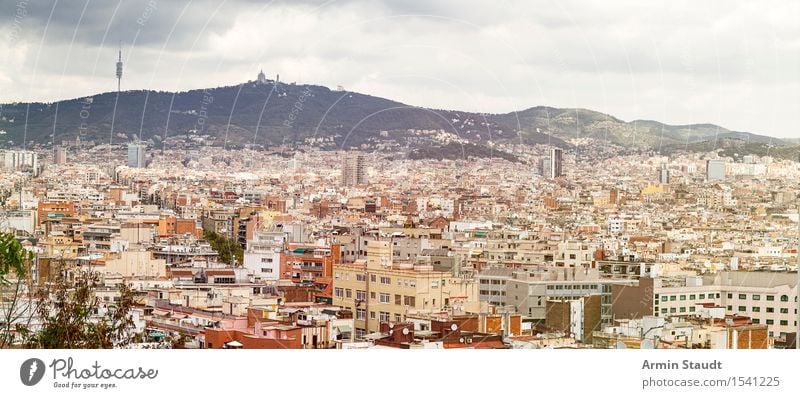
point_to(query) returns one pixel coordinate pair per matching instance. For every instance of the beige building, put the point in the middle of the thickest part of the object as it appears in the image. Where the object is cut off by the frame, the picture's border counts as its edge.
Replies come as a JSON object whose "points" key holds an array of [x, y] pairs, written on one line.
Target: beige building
{"points": [[59, 245], [136, 263], [379, 290]]}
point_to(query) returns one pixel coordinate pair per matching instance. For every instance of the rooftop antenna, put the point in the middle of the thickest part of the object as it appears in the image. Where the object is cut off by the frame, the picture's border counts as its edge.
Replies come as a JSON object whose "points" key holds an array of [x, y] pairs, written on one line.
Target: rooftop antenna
{"points": [[119, 68]]}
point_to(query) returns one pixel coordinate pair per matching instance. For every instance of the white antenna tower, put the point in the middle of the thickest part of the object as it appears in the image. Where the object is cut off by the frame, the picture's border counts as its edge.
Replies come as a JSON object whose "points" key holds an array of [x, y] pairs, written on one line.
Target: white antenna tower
{"points": [[119, 68]]}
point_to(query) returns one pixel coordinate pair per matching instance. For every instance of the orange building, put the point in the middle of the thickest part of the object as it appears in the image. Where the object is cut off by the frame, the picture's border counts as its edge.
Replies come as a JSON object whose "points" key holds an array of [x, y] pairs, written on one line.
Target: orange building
{"points": [[55, 209]]}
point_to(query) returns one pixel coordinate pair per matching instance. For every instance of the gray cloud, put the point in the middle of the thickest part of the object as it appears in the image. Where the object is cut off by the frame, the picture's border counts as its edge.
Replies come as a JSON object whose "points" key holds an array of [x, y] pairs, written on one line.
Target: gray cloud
{"points": [[733, 64]]}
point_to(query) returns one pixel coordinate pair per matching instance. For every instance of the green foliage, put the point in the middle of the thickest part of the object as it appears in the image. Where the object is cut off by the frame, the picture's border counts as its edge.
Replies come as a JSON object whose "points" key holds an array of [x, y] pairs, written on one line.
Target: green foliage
{"points": [[228, 249], [70, 317], [13, 257]]}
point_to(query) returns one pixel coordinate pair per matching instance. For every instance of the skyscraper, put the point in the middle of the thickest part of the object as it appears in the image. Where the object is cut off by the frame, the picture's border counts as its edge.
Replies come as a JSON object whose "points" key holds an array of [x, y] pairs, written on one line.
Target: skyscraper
{"points": [[354, 169], [136, 154], [59, 155], [663, 174], [715, 170], [544, 167], [556, 159]]}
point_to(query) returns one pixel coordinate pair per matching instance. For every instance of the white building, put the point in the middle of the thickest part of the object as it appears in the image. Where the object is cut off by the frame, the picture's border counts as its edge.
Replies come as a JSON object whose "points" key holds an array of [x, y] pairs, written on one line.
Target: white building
{"points": [[262, 258]]}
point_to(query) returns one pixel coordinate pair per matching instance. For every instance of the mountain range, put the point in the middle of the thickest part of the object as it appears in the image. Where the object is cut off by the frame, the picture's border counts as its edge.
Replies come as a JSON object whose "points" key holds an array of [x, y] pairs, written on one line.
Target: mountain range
{"points": [[266, 114]]}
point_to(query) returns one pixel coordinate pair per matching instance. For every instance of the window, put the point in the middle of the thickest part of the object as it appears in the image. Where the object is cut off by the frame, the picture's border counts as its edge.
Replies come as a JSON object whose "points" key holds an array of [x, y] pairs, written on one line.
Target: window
{"points": [[702, 296], [742, 308], [756, 321], [770, 322], [665, 298], [730, 295], [756, 309], [372, 315], [756, 297], [397, 318], [770, 297], [266, 260], [742, 297], [784, 298], [770, 309], [266, 270], [361, 315], [683, 309], [784, 323], [338, 292], [672, 298], [691, 309], [384, 298], [409, 301], [692, 297], [784, 310], [361, 277], [385, 280], [361, 295], [373, 278], [730, 308], [348, 293], [373, 295], [398, 299], [384, 316], [683, 297], [672, 310]]}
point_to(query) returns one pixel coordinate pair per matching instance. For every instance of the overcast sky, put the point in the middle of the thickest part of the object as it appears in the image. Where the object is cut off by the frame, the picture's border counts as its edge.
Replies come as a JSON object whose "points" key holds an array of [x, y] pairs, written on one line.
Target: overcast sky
{"points": [[733, 63]]}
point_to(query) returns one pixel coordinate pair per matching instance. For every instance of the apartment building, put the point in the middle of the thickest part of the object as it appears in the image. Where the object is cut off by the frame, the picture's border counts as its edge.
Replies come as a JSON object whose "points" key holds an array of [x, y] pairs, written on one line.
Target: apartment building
{"points": [[769, 298], [529, 289], [379, 290]]}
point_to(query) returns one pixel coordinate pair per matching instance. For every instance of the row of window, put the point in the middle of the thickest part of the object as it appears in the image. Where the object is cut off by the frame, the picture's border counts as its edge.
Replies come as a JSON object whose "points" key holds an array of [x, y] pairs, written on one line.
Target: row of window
{"points": [[772, 322], [361, 315], [784, 298], [384, 298], [384, 280], [741, 308], [702, 296], [573, 287]]}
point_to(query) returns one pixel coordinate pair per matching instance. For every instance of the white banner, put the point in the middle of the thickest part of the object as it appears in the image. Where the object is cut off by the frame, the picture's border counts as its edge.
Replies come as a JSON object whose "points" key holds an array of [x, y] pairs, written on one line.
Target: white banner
{"points": [[371, 373]]}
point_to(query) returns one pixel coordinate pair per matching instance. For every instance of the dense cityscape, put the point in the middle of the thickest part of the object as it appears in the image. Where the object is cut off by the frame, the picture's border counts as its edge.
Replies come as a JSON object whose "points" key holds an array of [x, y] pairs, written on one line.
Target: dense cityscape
{"points": [[591, 246]]}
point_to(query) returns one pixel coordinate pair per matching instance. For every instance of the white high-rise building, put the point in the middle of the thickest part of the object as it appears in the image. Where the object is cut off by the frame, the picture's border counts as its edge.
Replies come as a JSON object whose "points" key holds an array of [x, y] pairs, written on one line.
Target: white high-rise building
{"points": [[354, 169], [715, 170], [663, 174], [136, 154], [20, 160]]}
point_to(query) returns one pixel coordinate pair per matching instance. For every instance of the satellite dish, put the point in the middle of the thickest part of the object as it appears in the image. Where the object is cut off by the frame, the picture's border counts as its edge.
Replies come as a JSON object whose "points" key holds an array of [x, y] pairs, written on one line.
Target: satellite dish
{"points": [[646, 345], [454, 327], [620, 345], [405, 330]]}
